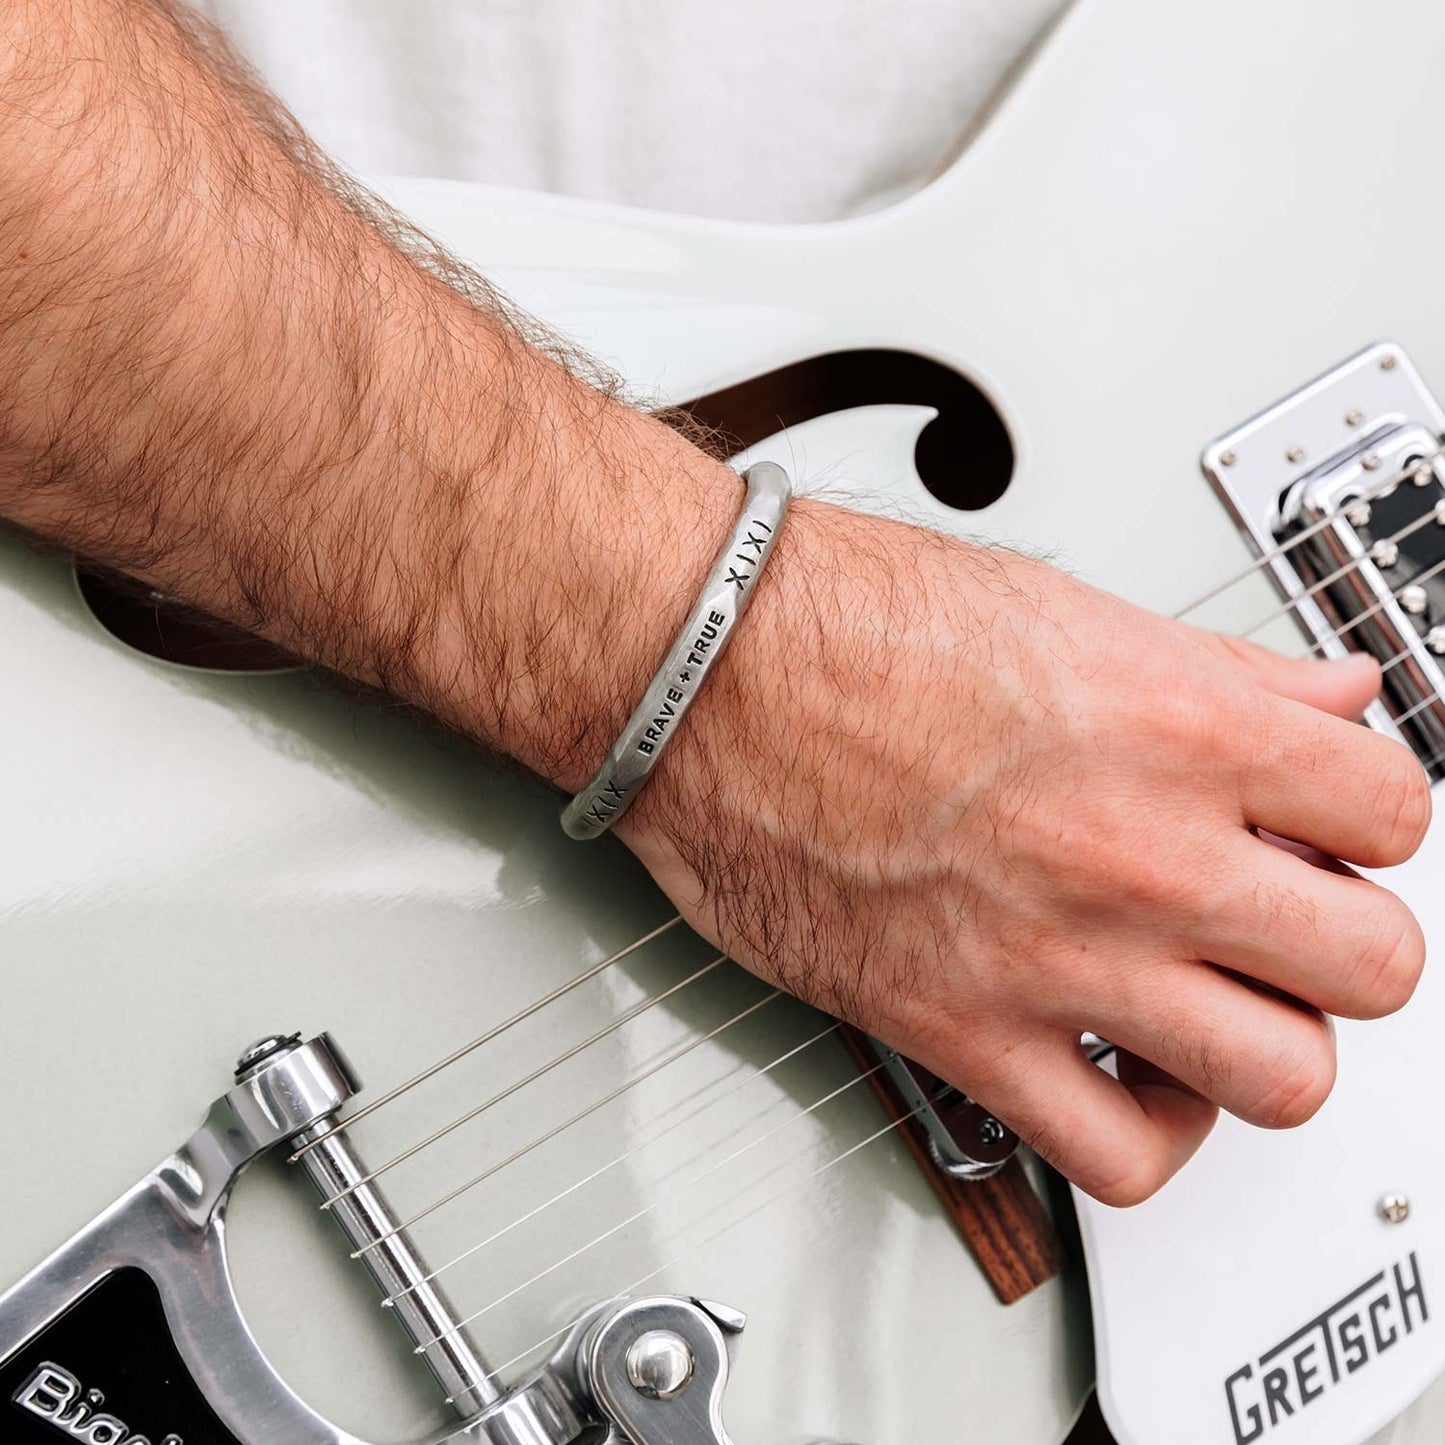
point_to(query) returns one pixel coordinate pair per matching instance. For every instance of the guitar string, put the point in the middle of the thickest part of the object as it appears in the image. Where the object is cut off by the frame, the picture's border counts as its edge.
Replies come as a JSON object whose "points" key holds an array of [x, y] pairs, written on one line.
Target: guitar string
{"points": [[1298, 539], [792, 1188], [521, 1152], [522, 1014], [739, 1084], [1435, 515], [515, 1087], [1289, 607], [655, 1203], [1414, 469]]}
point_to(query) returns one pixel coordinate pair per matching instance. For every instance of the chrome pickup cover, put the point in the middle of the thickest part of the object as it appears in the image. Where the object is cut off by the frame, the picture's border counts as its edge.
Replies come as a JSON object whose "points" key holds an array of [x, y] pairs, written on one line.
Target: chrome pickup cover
{"points": [[1345, 475]]}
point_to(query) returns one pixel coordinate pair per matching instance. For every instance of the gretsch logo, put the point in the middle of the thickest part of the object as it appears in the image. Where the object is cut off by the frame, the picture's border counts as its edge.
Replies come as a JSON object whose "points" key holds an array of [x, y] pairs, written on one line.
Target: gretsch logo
{"points": [[57, 1396], [1306, 1365]]}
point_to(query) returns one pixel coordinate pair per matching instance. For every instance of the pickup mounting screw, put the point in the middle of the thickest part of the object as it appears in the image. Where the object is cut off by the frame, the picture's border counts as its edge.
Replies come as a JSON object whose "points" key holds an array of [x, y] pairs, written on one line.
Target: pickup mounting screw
{"points": [[659, 1364], [1394, 1208], [1384, 553], [1414, 599], [1370, 461], [1295, 454], [1227, 459], [1387, 363], [1354, 418]]}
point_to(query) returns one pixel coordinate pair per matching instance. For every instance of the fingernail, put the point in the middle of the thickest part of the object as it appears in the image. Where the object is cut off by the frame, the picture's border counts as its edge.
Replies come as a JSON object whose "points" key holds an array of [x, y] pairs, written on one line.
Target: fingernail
{"points": [[1360, 662]]}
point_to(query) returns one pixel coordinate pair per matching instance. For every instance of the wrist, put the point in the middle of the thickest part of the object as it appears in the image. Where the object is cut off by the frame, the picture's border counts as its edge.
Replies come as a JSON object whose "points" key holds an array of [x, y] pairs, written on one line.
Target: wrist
{"points": [[592, 545]]}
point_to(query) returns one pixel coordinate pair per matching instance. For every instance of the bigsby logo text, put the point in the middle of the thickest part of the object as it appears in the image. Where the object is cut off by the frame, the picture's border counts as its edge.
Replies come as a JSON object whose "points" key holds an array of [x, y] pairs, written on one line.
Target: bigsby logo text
{"points": [[56, 1395], [1325, 1352]]}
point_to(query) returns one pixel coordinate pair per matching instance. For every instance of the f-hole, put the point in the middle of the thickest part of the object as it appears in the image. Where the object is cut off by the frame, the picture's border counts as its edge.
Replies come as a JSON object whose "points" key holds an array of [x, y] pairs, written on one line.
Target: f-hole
{"points": [[158, 626], [964, 458]]}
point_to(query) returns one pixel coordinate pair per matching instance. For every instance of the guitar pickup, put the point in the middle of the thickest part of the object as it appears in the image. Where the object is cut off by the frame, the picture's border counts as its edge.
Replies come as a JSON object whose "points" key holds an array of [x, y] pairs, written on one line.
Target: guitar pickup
{"points": [[1342, 487]]}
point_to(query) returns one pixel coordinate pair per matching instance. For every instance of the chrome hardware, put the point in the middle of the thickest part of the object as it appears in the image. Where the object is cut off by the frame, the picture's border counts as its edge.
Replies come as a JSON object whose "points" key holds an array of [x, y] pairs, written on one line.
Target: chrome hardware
{"points": [[965, 1140], [366, 1219], [1361, 430], [649, 1371], [691, 1414], [1394, 1208], [659, 1364]]}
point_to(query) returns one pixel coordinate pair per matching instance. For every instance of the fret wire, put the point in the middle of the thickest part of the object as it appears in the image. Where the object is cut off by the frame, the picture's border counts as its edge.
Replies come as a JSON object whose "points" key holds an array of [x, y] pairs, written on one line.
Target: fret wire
{"points": [[522, 1083], [732, 1224], [681, 1052], [656, 1203], [613, 1163], [432, 1070], [1370, 494]]}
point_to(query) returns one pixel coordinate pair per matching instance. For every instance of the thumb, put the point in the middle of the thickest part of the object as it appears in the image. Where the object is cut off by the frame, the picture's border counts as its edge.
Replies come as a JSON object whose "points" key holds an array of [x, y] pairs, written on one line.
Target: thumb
{"points": [[1343, 686]]}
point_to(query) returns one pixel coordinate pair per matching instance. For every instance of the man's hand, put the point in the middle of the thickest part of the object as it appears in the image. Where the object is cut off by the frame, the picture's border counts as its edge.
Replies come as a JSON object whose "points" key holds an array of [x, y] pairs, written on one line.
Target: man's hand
{"points": [[979, 808], [957, 797]]}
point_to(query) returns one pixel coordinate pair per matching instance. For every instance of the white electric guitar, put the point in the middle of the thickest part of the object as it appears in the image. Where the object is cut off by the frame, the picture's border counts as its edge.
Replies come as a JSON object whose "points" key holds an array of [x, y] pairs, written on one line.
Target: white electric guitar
{"points": [[585, 1150]]}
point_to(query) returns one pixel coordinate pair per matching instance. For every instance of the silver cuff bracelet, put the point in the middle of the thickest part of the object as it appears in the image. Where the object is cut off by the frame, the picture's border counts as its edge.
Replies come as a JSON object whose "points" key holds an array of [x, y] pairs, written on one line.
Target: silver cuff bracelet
{"points": [[704, 636]]}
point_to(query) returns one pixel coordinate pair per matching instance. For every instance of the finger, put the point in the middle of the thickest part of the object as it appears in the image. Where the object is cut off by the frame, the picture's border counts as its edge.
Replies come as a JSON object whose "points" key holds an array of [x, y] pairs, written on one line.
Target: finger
{"points": [[1266, 1059], [1344, 789], [1344, 686], [1325, 935], [1117, 1141]]}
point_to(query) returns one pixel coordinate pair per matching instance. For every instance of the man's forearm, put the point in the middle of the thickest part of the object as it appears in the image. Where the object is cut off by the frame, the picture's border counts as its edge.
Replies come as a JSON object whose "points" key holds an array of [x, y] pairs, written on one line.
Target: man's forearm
{"points": [[216, 376]]}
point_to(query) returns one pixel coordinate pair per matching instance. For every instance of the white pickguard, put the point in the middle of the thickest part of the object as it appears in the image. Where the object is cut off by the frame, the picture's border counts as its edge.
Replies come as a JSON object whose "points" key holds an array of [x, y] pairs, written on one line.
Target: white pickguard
{"points": [[1168, 225]]}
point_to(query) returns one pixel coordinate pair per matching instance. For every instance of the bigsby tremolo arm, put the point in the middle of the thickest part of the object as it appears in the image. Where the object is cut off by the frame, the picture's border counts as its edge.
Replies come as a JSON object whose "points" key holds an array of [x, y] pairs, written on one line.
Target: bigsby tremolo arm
{"points": [[650, 1370]]}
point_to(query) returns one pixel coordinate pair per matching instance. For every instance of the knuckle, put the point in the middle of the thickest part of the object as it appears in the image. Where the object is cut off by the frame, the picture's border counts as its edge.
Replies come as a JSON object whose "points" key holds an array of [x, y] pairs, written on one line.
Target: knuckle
{"points": [[1405, 807], [1131, 1181], [1294, 1085]]}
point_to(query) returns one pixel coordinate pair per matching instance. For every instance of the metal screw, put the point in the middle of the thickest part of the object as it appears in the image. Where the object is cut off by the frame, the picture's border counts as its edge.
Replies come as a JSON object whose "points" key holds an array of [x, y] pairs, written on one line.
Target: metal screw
{"points": [[1370, 461], [1423, 474], [264, 1049], [1227, 459], [1354, 418], [1395, 1208], [1295, 454], [1414, 599], [1384, 553], [659, 1364], [1387, 363], [1435, 640], [1357, 514], [990, 1133]]}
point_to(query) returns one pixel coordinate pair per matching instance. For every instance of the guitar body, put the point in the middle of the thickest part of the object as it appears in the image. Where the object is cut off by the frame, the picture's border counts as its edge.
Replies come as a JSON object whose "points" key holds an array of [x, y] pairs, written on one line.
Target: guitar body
{"points": [[1166, 226]]}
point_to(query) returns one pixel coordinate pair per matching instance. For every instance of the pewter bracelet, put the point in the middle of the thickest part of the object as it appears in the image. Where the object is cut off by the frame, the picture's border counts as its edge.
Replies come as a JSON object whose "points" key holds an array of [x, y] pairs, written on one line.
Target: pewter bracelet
{"points": [[725, 597]]}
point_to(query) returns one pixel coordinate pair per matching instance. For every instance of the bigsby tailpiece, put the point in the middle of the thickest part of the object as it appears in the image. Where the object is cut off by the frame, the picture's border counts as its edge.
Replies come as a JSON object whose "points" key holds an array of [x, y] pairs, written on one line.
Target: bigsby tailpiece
{"points": [[646, 1370]]}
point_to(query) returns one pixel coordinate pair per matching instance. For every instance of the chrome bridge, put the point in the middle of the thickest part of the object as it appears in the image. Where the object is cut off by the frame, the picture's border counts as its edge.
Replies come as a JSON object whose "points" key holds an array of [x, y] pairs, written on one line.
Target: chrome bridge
{"points": [[132, 1332], [1341, 486]]}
